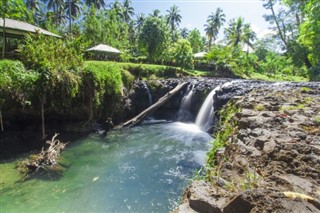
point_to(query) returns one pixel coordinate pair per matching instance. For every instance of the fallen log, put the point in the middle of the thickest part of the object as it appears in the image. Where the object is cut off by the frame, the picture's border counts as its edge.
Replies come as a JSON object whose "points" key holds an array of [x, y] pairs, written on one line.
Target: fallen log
{"points": [[45, 159], [139, 118]]}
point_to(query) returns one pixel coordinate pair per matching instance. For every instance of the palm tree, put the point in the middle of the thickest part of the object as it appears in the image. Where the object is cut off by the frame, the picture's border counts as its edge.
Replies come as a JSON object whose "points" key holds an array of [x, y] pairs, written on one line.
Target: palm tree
{"points": [[173, 18], [156, 13], [140, 18], [73, 9], [184, 32], [58, 10], [35, 6], [214, 23], [239, 34], [119, 9], [99, 4], [209, 29], [128, 11]]}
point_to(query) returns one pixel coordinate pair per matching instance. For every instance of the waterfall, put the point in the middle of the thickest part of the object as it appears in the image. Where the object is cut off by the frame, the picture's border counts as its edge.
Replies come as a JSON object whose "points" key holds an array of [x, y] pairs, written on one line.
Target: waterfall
{"points": [[184, 113], [148, 93], [204, 118]]}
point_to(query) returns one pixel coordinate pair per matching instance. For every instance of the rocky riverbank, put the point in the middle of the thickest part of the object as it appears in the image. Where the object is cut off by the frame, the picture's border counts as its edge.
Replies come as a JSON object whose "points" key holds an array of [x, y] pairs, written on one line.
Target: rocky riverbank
{"points": [[270, 161]]}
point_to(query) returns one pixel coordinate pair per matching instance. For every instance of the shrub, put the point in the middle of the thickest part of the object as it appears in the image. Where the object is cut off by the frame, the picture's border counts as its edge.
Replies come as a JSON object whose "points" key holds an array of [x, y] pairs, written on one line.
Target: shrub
{"points": [[16, 82], [100, 79]]}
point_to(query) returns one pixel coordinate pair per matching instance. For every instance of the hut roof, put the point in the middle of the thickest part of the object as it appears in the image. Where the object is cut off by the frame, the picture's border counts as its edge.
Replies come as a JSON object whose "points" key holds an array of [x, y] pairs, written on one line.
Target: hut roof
{"points": [[104, 48], [19, 28], [200, 54]]}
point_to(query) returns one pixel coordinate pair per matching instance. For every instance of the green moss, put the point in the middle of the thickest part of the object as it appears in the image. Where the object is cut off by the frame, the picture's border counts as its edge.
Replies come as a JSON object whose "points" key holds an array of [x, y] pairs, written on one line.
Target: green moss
{"points": [[293, 107], [127, 78], [317, 120], [305, 89], [228, 127], [307, 100], [259, 107]]}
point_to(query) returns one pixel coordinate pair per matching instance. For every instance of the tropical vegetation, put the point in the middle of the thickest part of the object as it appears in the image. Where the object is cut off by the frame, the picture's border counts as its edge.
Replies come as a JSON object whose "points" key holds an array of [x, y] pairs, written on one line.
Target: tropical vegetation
{"points": [[53, 74]]}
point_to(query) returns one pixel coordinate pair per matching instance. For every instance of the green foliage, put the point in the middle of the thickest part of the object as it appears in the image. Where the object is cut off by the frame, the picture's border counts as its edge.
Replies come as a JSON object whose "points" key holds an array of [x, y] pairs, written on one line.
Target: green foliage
{"points": [[14, 9], [148, 70], [239, 33], [105, 27], [310, 33], [127, 78], [43, 52], [56, 63], [251, 181], [228, 126], [194, 37], [154, 38], [213, 25], [182, 52], [265, 65], [105, 78], [15, 82]]}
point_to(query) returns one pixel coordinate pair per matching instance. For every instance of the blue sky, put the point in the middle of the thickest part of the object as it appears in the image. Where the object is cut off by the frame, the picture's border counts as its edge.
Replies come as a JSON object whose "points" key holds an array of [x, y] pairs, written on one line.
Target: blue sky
{"points": [[194, 13]]}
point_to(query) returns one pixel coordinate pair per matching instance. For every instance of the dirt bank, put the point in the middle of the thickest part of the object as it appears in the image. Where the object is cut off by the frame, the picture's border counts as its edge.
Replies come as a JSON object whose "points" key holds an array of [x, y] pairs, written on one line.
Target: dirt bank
{"points": [[271, 158]]}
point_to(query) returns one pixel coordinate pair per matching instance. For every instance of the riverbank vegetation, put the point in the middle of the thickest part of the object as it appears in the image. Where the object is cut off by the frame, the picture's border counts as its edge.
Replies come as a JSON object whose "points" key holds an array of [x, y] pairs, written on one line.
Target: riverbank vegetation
{"points": [[57, 76], [290, 52]]}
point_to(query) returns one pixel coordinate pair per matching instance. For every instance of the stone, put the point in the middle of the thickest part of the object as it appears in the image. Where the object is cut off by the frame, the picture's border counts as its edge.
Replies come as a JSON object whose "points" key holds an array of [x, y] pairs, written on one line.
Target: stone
{"points": [[240, 204], [269, 146], [201, 196]]}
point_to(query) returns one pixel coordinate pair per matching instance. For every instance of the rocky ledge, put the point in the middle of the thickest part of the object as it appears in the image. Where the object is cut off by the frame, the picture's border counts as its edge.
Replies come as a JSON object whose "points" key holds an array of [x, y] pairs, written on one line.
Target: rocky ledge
{"points": [[271, 158]]}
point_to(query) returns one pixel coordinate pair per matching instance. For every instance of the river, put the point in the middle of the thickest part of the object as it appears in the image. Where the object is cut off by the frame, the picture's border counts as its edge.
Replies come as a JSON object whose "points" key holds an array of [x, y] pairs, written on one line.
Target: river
{"points": [[143, 169]]}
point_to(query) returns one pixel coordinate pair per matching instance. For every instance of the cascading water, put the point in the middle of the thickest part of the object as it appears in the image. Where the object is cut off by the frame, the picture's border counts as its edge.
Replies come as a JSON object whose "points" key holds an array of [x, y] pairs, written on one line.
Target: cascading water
{"points": [[204, 118], [184, 113], [148, 93]]}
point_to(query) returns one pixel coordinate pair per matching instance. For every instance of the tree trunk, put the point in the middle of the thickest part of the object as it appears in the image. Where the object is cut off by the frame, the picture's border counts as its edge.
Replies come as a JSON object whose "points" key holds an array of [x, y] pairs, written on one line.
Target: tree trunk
{"points": [[70, 18], [1, 122], [139, 118], [278, 25], [4, 32], [42, 119]]}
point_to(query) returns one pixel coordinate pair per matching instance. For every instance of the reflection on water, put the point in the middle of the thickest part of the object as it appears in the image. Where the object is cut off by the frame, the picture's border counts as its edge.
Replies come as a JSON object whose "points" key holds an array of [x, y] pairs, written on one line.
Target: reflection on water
{"points": [[143, 169]]}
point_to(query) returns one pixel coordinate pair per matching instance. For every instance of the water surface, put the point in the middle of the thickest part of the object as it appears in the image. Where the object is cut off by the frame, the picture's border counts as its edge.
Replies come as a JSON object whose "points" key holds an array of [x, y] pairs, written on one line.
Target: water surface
{"points": [[143, 169]]}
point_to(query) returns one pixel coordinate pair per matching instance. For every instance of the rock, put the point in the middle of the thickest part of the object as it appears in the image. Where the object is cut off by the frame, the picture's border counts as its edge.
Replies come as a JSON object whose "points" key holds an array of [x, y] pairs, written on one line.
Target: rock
{"points": [[240, 204], [271, 152], [269, 146], [203, 198]]}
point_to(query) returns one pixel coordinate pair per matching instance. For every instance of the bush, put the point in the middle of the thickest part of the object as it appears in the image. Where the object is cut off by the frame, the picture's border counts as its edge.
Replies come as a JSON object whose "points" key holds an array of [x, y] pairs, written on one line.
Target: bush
{"points": [[57, 63], [101, 78], [182, 52], [16, 82]]}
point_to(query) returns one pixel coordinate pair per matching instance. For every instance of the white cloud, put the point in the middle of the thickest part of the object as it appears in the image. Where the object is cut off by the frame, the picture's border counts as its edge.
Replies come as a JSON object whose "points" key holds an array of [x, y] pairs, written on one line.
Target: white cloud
{"points": [[261, 32], [190, 26]]}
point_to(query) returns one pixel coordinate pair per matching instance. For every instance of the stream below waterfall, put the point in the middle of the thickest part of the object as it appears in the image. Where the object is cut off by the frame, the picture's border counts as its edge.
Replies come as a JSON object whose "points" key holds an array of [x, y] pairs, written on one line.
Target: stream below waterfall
{"points": [[143, 169]]}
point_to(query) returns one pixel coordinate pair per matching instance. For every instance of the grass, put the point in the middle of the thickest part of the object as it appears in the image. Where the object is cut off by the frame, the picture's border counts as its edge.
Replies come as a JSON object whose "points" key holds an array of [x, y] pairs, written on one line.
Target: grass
{"points": [[228, 127], [259, 76], [146, 71]]}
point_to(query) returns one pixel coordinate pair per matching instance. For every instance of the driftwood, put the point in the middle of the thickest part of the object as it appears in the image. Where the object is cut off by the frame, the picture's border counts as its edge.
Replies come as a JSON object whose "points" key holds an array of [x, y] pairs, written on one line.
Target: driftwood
{"points": [[139, 118], [46, 158]]}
